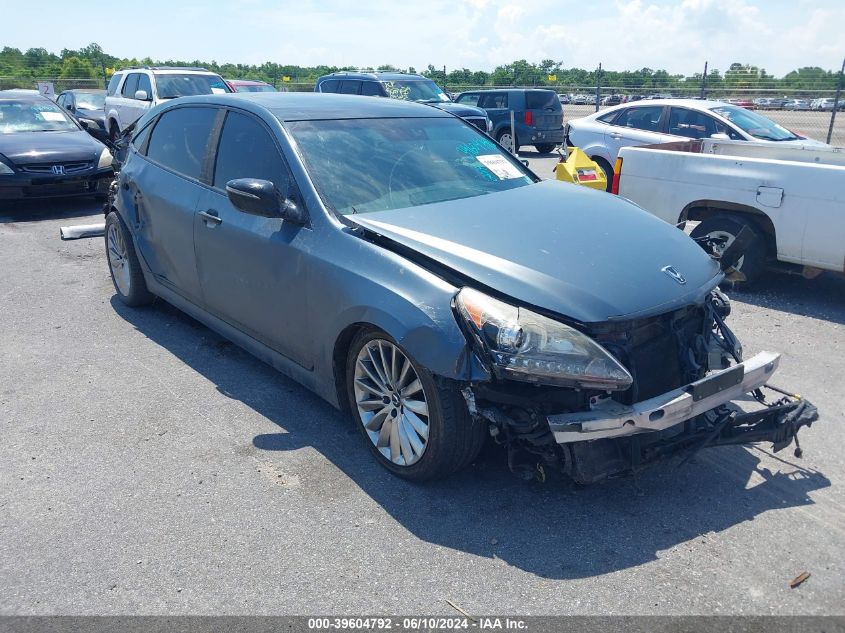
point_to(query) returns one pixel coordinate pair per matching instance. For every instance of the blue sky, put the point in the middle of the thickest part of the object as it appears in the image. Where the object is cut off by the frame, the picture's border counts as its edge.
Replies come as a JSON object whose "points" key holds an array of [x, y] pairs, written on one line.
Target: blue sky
{"points": [[678, 35]]}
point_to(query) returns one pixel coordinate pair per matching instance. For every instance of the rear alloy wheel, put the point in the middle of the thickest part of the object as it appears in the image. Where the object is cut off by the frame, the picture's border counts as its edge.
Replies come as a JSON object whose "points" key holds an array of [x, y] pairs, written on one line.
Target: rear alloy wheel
{"points": [[416, 426], [506, 140], [545, 148], [752, 263], [125, 269]]}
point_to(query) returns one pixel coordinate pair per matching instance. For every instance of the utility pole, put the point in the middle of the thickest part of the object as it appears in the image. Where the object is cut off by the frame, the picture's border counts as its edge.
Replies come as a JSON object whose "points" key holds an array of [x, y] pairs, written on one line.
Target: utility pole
{"points": [[598, 87], [704, 81], [444, 77], [836, 101]]}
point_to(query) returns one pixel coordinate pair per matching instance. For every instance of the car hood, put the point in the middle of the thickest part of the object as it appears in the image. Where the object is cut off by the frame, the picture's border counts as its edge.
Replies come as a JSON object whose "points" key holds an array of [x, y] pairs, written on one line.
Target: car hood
{"points": [[459, 109], [583, 254], [94, 115], [45, 147]]}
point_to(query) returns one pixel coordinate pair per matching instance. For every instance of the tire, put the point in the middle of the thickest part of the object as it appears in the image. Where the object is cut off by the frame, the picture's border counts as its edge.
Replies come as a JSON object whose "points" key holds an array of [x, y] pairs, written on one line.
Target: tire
{"points": [[124, 267], [606, 168], [545, 148], [452, 438], [504, 139], [114, 132], [753, 262]]}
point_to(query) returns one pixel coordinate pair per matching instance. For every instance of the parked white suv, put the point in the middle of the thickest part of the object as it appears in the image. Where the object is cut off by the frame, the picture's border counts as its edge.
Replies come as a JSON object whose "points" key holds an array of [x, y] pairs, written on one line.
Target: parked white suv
{"points": [[132, 91]]}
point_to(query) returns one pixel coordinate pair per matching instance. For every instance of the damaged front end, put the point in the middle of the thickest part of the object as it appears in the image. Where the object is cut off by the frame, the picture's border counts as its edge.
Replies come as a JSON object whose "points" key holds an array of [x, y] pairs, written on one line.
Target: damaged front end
{"points": [[606, 399]]}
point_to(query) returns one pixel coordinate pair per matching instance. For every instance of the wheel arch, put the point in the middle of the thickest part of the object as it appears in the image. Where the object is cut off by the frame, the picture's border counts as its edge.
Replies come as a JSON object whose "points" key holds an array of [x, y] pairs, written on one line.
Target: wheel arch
{"points": [[442, 348], [705, 209]]}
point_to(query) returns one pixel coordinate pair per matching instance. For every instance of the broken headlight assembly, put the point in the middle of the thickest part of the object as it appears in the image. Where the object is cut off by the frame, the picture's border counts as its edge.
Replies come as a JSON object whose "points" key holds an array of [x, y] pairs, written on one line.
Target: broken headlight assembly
{"points": [[523, 345]]}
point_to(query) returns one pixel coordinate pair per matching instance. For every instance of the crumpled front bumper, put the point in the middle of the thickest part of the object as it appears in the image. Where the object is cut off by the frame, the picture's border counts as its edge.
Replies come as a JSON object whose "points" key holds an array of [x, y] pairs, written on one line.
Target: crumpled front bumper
{"points": [[610, 419]]}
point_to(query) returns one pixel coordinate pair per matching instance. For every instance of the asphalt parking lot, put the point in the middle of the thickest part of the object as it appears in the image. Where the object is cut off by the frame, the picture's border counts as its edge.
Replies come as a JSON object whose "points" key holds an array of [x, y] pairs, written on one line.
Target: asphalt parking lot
{"points": [[150, 467]]}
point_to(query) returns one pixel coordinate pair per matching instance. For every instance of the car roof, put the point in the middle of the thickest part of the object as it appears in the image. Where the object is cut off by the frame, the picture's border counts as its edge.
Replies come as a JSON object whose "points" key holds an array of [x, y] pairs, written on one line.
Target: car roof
{"points": [[505, 89], [379, 75], [312, 106], [84, 91], [694, 104], [23, 95]]}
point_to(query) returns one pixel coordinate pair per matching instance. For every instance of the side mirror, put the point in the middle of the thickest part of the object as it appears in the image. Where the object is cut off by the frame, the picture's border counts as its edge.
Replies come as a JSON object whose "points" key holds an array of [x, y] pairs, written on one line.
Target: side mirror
{"points": [[260, 197], [720, 136], [84, 124], [141, 95]]}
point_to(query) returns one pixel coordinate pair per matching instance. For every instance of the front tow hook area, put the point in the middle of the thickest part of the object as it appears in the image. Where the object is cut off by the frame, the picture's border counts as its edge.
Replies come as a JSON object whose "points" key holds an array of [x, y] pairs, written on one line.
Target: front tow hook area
{"points": [[778, 423]]}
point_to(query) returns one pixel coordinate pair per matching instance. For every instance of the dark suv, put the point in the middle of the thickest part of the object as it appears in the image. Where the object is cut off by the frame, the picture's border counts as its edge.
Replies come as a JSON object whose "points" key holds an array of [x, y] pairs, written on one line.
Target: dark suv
{"points": [[401, 86], [538, 116]]}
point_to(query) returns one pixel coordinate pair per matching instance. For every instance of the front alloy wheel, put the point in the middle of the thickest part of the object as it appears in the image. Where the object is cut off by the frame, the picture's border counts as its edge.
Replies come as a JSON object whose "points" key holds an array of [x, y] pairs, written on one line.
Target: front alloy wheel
{"points": [[391, 401], [416, 424]]}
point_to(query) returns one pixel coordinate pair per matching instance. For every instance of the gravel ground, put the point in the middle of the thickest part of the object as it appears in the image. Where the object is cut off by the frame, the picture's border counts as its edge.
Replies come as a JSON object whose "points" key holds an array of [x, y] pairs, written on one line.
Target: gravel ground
{"points": [[147, 466]]}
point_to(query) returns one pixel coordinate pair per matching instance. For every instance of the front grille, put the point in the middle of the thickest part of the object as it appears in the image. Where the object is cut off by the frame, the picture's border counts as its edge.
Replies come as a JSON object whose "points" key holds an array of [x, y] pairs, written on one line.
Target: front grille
{"points": [[662, 353], [478, 122], [48, 168], [68, 188]]}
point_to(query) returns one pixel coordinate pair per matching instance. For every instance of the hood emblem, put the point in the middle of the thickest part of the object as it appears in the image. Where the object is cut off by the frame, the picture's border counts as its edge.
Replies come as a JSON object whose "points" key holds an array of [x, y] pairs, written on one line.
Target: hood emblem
{"points": [[674, 274], [59, 170]]}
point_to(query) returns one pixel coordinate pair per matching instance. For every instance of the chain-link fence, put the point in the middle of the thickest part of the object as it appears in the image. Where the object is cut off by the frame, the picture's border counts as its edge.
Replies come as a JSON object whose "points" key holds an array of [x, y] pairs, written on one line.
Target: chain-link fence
{"points": [[816, 109], [814, 113]]}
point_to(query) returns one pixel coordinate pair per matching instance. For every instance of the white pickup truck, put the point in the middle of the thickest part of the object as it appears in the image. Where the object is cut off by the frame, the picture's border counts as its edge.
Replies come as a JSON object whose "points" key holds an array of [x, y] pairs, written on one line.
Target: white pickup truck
{"points": [[792, 198]]}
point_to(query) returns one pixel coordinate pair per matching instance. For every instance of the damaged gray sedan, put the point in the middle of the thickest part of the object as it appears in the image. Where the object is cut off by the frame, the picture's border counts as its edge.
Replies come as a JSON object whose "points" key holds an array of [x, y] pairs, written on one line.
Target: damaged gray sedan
{"points": [[405, 267]]}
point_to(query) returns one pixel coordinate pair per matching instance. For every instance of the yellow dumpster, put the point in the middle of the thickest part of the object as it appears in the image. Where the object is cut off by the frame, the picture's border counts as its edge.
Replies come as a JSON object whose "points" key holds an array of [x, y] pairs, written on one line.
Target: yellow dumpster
{"points": [[576, 167]]}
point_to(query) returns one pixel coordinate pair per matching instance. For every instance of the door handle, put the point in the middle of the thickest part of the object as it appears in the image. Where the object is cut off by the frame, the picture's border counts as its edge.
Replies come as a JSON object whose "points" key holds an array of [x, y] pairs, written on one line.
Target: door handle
{"points": [[615, 135], [210, 216]]}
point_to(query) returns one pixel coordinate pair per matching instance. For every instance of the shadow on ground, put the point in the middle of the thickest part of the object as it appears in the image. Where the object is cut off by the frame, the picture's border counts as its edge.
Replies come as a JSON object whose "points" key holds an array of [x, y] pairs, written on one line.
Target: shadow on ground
{"points": [[53, 209], [556, 530], [820, 298]]}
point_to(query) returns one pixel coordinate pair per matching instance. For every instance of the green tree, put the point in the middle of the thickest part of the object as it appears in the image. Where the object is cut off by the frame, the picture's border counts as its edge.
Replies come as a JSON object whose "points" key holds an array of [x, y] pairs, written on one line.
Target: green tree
{"points": [[75, 68]]}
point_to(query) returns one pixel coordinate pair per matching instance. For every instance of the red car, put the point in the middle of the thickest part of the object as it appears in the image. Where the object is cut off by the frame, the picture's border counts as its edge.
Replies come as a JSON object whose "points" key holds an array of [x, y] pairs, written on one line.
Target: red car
{"points": [[251, 85]]}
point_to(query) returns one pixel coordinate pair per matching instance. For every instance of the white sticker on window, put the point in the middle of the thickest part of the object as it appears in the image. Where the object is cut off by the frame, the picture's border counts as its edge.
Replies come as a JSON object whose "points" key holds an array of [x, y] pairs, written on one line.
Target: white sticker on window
{"points": [[218, 91], [52, 116], [500, 166]]}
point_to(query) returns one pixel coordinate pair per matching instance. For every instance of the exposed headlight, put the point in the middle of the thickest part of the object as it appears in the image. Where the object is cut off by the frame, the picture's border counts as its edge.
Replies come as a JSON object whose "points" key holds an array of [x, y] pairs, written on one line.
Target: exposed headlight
{"points": [[524, 345], [105, 159], [5, 170]]}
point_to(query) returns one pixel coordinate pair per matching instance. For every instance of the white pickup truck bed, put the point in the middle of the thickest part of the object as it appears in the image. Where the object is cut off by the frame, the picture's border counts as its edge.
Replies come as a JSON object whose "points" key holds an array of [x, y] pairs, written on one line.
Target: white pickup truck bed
{"points": [[792, 197]]}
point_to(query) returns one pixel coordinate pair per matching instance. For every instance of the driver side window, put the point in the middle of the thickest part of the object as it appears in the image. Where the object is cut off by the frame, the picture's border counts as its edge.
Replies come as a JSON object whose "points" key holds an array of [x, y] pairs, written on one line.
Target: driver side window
{"points": [[247, 150]]}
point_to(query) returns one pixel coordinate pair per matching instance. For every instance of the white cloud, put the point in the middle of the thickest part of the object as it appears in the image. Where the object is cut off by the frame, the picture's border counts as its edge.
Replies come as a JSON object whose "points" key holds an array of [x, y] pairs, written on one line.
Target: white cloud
{"points": [[678, 35]]}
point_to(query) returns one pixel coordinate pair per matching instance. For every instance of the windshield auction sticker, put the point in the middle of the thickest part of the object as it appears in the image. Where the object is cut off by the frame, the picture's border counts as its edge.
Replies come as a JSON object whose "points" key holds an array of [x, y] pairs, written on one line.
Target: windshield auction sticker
{"points": [[500, 166]]}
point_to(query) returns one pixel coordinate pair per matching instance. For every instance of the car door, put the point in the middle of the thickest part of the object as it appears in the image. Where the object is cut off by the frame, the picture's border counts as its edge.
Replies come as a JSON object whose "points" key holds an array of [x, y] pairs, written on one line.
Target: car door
{"points": [[496, 105], [637, 125], [696, 124], [253, 269], [166, 189], [130, 108]]}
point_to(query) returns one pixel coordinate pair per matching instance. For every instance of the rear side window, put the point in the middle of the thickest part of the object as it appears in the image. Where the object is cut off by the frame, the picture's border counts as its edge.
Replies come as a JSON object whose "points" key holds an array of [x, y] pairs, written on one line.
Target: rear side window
{"points": [[350, 87], [330, 85], [493, 100], [130, 86], [541, 100], [140, 138], [180, 138], [608, 117], [645, 118], [114, 82], [469, 99], [247, 150], [371, 89]]}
